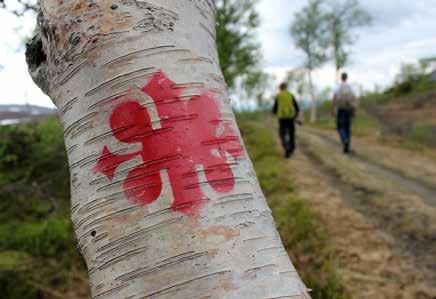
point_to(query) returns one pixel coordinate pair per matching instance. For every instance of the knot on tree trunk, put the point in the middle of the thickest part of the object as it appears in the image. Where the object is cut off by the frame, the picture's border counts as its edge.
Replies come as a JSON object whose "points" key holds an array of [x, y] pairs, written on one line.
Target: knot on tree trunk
{"points": [[36, 59], [37, 62]]}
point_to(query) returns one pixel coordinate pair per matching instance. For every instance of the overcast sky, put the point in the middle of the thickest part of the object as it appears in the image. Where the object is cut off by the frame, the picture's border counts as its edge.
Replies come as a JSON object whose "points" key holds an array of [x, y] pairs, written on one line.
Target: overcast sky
{"points": [[402, 31]]}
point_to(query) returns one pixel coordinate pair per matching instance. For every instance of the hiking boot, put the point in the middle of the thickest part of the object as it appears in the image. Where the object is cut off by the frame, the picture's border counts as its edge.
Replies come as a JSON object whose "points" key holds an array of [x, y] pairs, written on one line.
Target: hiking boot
{"points": [[288, 154], [346, 147]]}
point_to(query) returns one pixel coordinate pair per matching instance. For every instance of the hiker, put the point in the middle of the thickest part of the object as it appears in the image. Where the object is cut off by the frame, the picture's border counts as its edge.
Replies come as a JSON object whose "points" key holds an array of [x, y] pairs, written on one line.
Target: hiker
{"points": [[287, 110], [344, 108]]}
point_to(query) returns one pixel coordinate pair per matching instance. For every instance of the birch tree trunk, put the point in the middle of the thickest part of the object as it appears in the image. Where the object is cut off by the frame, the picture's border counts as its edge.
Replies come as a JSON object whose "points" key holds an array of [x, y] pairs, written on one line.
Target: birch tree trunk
{"points": [[165, 202], [314, 108]]}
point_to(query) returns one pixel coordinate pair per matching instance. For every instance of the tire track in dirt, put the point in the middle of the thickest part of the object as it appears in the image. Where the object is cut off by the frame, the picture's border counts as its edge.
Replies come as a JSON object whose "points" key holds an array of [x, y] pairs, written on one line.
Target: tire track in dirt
{"points": [[422, 189], [362, 198], [368, 260]]}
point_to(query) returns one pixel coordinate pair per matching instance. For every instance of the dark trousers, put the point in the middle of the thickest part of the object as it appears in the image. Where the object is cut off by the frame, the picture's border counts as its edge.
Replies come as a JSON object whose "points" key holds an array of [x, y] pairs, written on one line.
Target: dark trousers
{"points": [[287, 134], [343, 123]]}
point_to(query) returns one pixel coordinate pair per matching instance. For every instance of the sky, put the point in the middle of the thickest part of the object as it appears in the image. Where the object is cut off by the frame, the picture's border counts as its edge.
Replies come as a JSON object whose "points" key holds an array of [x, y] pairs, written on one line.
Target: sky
{"points": [[403, 31]]}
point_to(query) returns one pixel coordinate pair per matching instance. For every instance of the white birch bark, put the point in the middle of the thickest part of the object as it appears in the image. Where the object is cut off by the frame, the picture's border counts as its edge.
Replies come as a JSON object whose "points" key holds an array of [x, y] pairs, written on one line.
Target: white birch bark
{"points": [[98, 52], [314, 108]]}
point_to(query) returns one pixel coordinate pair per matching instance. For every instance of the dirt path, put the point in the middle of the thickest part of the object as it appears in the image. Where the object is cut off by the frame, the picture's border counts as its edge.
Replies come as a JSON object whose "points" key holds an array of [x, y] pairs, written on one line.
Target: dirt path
{"points": [[400, 171], [381, 221]]}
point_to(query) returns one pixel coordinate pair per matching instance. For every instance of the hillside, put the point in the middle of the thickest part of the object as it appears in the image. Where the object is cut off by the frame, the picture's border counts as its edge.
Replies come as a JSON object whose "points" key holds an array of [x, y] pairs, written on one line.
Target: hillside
{"points": [[12, 114], [407, 110], [404, 114]]}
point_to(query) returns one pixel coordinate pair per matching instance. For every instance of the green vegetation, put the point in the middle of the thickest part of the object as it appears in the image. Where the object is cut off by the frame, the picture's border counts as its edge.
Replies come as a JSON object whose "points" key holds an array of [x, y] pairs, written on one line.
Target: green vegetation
{"points": [[363, 124], [423, 133], [401, 91], [239, 52], [307, 245], [33, 152], [342, 19], [46, 238], [38, 258], [414, 94], [324, 31], [396, 117]]}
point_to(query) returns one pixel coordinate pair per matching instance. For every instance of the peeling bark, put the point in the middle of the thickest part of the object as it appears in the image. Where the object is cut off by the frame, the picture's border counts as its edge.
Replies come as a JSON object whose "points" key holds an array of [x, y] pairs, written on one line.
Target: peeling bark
{"points": [[165, 201]]}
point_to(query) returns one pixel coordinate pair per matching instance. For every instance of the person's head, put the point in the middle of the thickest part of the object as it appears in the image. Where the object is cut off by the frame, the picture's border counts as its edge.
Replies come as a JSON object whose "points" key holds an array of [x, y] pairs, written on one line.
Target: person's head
{"points": [[344, 77], [283, 86]]}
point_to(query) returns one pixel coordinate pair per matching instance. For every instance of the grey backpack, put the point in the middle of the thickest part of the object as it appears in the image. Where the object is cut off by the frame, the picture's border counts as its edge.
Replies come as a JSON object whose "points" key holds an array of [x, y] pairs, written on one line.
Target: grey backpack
{"points": [[345, 97]]}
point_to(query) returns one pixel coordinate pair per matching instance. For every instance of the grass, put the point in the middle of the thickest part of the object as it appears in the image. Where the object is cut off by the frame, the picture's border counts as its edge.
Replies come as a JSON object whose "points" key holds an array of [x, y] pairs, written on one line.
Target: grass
{"points": [[417, 91], [10, 260], [307, 245], [37, 246], [423, 132], [363, 124], [420, 137], [373, 194], [401, 91], [47, 238], [38, 258]]}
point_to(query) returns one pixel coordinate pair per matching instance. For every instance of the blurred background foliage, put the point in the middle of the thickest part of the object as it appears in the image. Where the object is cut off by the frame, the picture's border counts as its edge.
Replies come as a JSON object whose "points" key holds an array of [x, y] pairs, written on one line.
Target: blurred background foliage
{"points": [[38, 258]]}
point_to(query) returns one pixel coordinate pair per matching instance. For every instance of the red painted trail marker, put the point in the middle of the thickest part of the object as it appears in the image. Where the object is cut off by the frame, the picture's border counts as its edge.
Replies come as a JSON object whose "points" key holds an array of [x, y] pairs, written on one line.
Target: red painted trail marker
{"points": [[192, 133]]}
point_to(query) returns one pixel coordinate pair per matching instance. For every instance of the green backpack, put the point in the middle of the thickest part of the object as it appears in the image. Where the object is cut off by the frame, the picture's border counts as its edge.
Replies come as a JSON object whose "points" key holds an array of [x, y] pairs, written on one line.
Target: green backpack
{"points": [[285, 105]]}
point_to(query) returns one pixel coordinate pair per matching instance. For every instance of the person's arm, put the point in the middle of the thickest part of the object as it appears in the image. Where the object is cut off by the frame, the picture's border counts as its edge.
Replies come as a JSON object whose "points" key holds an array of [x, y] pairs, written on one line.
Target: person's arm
{"points": [[275, 106], [297, 112]]}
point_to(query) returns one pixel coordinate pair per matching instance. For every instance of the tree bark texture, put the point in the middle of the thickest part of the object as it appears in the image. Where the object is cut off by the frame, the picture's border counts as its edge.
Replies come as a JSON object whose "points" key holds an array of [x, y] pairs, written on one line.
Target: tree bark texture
{"points": [[165, 201]]}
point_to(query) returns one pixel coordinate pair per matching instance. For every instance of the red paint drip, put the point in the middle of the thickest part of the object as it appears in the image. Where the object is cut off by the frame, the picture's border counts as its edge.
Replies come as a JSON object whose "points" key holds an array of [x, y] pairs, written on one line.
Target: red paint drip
{"points": [[187, 138]]}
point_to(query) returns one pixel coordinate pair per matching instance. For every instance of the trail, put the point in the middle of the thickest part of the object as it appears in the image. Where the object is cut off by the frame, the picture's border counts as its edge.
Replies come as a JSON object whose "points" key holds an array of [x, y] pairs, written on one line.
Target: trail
{"points": [[422, 188], [380, 215]]}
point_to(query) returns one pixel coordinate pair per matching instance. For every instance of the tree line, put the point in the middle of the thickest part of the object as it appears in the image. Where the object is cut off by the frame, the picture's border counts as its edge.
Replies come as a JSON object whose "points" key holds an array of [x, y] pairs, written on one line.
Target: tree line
{"points": [[325, 31], [239, 50]]}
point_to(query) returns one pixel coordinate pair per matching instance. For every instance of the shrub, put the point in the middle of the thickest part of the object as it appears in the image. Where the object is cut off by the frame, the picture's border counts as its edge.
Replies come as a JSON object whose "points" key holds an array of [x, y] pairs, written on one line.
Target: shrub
{"points": [[15, 146], [47, 238], [424, 133]]}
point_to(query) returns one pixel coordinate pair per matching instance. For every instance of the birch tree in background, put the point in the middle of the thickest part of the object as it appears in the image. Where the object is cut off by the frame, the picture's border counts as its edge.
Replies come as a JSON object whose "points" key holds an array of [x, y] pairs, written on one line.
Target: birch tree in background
{"points": [[343, 18], [238, 50], [309, 33], [165, 201]]}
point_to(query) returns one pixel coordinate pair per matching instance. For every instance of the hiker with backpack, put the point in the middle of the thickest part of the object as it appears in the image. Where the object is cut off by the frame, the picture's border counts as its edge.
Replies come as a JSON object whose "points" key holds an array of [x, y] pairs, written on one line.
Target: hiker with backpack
{"points": [[344, 108], [286, 108]]}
